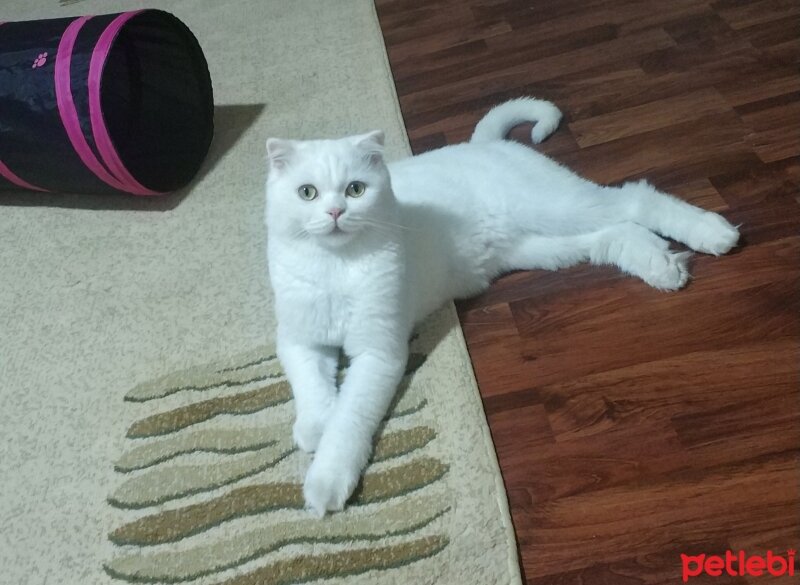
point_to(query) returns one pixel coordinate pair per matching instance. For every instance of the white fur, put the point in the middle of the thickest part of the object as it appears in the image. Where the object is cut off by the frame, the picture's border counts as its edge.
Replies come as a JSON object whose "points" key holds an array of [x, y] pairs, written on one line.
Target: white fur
{"points": [[428, 229]]}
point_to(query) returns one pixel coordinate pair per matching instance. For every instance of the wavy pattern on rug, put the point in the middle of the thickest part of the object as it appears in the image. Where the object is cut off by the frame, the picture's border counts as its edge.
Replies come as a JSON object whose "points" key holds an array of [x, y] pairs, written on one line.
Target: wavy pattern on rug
{"points": [[245, 472]]}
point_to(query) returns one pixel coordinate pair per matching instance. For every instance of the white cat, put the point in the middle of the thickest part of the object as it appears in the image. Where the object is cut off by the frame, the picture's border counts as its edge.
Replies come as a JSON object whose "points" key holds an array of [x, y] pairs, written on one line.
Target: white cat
{"points": [[359, 251]]}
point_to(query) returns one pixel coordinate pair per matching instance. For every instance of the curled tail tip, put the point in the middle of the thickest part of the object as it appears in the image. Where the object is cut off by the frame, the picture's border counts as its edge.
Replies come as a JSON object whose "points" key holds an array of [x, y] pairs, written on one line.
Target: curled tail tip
{"points": [[500, 119], [544, 128], [549, 117]]}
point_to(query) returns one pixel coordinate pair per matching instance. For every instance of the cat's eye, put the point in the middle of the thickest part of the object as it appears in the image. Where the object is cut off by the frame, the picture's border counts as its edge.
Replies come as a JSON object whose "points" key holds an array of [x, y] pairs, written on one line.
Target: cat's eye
{"points": [[307, 192], [355, 189]]}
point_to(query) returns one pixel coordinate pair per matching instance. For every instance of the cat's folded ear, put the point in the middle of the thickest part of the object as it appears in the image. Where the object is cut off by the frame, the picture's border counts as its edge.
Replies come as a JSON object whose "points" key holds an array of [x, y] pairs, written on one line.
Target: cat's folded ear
{"points": [[372, 145], [279, 152]]}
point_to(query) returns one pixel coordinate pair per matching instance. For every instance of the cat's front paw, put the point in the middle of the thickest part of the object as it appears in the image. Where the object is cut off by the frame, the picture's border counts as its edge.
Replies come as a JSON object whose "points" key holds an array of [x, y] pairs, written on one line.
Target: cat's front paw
{"points": [[667, 270], [307, 430], [328, 486], [713, 234]]}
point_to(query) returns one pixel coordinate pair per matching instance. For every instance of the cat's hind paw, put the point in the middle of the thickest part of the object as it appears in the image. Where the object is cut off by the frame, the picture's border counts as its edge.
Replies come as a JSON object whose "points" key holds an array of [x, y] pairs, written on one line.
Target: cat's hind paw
{"points": [[712, 234]]}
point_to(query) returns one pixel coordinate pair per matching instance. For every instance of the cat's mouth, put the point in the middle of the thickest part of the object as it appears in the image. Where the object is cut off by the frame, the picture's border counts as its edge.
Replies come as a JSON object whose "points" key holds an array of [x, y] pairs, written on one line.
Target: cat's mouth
{"points": [[336, 234], [337, 230]]}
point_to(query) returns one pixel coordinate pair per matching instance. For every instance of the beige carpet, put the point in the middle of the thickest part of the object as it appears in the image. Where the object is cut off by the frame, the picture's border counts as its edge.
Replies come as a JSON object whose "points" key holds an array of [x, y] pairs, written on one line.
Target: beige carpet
{"points": [[144, 423]]}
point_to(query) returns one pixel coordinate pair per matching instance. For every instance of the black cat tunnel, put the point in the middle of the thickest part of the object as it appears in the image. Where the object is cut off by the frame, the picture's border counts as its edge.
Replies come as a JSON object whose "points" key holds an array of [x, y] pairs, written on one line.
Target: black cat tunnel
{"points": [[120, 103]]}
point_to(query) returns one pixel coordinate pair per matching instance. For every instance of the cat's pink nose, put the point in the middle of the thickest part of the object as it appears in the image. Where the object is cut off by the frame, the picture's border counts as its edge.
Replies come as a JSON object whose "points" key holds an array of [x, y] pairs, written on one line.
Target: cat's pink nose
{"points": [[335, 212]]}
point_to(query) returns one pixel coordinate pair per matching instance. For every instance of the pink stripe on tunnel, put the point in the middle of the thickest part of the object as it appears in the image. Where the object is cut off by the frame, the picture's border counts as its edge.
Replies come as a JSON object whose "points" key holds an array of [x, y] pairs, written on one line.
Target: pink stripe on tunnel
{"points": [[66, 105], [6, 173], [101, 137]]}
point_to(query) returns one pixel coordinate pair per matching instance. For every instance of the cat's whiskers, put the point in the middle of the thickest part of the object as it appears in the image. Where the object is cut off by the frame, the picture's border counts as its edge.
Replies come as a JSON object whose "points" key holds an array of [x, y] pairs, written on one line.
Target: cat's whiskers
{"points": [[300, 234], [361, 224], [315, 226], [385, 224]]}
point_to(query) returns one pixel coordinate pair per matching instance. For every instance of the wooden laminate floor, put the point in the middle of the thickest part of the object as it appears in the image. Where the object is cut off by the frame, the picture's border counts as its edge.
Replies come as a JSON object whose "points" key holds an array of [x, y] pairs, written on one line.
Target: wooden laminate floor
{"points": [[633, 425]]}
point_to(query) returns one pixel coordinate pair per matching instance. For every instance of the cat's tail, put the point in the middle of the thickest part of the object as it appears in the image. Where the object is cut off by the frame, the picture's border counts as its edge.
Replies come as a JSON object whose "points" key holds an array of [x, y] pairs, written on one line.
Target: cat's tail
{"points": [[500, 119]]}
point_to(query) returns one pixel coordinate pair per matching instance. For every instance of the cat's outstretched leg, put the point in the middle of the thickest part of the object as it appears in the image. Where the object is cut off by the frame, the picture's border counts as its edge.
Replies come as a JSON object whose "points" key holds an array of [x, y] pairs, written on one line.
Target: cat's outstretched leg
{"points": [[346, 444], [638, 251], [312, 374], [631, 247], [701, 230]]}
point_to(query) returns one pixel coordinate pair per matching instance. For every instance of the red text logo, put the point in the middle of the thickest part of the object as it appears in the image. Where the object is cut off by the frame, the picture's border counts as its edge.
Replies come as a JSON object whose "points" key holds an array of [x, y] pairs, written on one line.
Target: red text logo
{"points": [[738, 564]]}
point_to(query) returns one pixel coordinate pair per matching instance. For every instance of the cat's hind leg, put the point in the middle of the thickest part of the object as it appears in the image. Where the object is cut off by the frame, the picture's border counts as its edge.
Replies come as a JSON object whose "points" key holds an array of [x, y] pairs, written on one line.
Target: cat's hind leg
{"points": [[631, 247], [549, 252], [701, 230]]}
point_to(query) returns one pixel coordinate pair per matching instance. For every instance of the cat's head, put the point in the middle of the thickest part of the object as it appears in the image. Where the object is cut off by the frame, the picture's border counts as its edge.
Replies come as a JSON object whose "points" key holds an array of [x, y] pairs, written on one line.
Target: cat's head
{"points": [[331, 191]]}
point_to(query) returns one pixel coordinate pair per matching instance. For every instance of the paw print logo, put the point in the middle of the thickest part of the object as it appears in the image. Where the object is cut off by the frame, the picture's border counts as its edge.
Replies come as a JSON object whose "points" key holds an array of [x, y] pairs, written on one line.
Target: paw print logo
{"points": [[40, 61]]}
